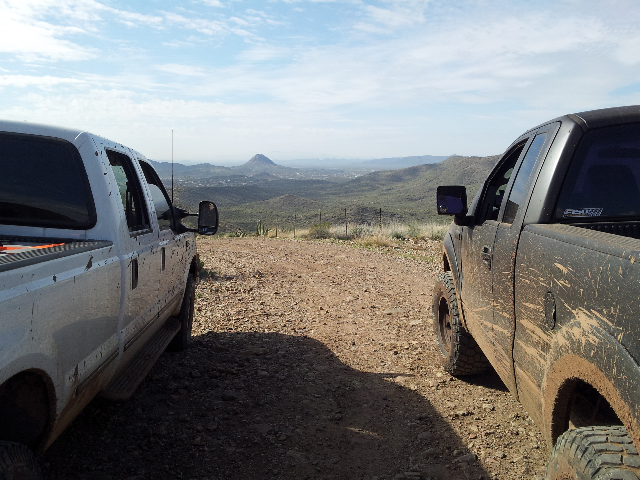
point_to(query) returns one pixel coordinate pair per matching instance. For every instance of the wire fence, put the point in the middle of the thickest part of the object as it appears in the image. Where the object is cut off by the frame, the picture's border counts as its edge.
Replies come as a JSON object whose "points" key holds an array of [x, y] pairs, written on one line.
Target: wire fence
{"points": [[335, 223]]}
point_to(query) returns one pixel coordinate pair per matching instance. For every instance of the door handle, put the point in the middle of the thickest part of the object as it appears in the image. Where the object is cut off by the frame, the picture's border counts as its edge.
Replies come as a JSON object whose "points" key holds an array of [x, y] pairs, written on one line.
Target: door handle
{"points": [[486, 256], [134, 273]]}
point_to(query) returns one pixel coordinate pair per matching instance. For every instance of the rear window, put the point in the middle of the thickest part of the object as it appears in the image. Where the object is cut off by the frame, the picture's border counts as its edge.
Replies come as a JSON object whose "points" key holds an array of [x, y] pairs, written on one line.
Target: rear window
{"points": [[603, 179], [43, 183]]}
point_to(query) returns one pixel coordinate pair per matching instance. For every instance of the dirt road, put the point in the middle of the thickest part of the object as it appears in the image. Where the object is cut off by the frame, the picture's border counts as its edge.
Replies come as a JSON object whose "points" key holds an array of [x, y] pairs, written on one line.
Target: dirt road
{"points": [[310, 360]]}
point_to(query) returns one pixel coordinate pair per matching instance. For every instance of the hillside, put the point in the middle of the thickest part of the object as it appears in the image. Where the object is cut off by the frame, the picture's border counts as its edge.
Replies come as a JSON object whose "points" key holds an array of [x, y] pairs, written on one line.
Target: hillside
{"points": [[405, 195]]}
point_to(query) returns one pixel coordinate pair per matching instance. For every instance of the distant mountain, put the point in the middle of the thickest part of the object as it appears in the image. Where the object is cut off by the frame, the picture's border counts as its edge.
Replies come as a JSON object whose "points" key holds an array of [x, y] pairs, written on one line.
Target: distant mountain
{"points": [[201, 170], [405, 195], [260, 164], [309, 168], [391, 163], [261, 160], [402, 162]]}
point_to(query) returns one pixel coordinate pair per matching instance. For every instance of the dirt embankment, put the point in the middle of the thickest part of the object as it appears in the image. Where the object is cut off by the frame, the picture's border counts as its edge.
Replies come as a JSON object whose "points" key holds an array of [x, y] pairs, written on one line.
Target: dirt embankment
{"points": [[310, 360]]}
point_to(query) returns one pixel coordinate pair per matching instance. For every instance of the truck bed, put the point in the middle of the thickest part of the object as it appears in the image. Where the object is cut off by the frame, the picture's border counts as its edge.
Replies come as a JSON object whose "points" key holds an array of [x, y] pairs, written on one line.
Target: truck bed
{"points": [[17, 252]]}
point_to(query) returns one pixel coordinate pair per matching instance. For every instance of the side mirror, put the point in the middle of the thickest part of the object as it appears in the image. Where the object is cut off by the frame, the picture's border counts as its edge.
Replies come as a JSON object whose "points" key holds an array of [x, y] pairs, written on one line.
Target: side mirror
{"points": [[452, 200], [207, 218]]}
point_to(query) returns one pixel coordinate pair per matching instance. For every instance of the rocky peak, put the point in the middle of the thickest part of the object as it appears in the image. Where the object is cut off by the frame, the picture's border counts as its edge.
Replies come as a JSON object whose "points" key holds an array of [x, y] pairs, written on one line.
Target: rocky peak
{"points": [[261, 160]]}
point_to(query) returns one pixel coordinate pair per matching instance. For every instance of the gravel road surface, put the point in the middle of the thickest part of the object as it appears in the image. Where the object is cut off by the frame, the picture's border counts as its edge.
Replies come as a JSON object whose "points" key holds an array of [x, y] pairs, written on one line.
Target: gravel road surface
{"points": [[310, 360]]}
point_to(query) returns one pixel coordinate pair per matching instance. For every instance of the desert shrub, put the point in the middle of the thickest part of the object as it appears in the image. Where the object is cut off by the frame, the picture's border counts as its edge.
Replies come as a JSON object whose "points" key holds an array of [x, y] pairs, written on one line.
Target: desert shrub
{"points": [[435, 231], [397, 235], [357, 231], [414, 231], [261, 229], [320, 230], [375, 241]]}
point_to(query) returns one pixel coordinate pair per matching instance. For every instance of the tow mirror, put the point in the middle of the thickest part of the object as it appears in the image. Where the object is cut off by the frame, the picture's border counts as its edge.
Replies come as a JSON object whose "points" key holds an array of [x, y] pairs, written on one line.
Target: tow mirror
{"points": [[207, 218], [452, 200]]}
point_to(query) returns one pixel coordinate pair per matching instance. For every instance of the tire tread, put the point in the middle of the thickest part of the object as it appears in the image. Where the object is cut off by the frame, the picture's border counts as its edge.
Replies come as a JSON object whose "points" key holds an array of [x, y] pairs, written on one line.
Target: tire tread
{"points": [[466, 357], [594, 453], [17, 462]]}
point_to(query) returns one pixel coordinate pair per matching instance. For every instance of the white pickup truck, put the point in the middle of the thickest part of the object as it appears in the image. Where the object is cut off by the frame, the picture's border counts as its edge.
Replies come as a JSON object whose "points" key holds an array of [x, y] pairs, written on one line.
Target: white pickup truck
{"points": [[97, 279]]}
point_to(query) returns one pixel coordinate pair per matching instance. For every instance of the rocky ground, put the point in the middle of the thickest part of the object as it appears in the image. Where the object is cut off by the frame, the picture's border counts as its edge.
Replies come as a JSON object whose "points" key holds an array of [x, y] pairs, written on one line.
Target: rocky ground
{"points": [[310, 360]]}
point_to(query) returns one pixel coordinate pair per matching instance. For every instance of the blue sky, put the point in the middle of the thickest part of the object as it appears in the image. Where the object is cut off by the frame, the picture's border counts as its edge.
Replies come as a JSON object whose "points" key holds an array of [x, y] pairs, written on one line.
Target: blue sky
{"points": [[299, 79]]}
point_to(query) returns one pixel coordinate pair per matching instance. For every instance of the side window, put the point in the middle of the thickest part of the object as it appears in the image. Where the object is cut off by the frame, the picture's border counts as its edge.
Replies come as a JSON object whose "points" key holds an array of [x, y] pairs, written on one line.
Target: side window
{"points": [[159, 196], [498, 184], [603, 180], [517, 190], [130, 191]]}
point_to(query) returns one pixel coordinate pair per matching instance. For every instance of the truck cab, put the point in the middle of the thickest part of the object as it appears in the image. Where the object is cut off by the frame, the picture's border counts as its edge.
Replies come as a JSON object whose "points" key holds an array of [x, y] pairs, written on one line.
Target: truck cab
{"points": [[97, 272]]}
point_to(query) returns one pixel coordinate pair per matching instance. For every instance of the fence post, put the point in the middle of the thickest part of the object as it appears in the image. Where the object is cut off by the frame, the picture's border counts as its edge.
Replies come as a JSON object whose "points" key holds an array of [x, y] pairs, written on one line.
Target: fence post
{"points": [[381, 220], [346, 232], [294, 224], [320, 216]]}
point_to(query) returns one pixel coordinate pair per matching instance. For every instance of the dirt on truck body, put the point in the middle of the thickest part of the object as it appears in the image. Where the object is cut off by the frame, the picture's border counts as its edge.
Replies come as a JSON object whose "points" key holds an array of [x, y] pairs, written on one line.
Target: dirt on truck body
{"points": [[541, 276]]}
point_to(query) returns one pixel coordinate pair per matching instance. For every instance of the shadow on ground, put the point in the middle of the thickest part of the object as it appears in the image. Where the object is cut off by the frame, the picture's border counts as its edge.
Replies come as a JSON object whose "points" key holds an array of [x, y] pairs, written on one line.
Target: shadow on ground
{"points": [[489, 379], [261, 406]]}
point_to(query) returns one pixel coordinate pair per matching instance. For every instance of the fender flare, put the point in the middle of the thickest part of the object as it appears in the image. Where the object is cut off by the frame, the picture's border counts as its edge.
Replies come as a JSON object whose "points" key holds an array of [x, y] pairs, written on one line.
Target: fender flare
{"points": [[450, 263], [584, 350]]}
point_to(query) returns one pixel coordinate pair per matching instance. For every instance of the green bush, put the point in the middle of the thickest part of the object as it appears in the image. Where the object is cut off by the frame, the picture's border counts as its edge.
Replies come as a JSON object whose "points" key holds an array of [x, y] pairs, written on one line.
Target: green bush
{"points": [[261, 229], [320, 230], [414, 231]]}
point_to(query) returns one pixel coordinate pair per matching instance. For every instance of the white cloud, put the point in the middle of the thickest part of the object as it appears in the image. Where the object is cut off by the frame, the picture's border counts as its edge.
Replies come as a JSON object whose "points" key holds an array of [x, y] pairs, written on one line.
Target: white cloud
{"points": [[39, 29], [178, 69]]}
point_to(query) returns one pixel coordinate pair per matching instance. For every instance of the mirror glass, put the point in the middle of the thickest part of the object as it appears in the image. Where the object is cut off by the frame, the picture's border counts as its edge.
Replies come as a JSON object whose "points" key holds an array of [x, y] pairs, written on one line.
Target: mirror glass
{"points": [[207, 218], [452, 200], [449, 205]]}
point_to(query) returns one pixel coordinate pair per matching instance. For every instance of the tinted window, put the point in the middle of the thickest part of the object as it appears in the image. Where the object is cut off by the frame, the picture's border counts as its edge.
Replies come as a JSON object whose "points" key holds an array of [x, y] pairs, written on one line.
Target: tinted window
{"points": [[517, 190], [604, 175], [43, 183], [159, 196], [130, 191], [498, 184]]}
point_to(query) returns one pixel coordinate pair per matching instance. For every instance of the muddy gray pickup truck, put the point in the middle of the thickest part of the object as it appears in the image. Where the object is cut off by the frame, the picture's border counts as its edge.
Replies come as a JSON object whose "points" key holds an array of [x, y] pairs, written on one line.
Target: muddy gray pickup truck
{"points": [[542, 282], [97, 278]]}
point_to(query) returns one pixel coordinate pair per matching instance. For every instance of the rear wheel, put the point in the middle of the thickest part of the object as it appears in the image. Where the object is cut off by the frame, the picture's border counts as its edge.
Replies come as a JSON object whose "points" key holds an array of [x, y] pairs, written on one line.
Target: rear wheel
{"points": [[594, 453], [460, 354], [183, 338], [17, 462]]}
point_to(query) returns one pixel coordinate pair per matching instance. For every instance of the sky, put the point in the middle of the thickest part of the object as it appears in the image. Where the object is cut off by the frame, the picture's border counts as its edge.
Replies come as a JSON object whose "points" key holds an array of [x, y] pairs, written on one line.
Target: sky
{"points": [[295, 79]]}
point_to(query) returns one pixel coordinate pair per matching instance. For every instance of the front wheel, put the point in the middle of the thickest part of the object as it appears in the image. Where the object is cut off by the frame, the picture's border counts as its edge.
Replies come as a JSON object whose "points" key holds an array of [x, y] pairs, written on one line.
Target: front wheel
{"points": [[183, 338], [594, 453], [17, 462], [460, 354]]}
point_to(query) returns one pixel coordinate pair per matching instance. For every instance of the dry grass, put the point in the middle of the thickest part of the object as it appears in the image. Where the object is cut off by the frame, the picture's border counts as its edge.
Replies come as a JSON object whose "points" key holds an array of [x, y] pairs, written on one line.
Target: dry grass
{"points": [[370, 235], [374, 241]]}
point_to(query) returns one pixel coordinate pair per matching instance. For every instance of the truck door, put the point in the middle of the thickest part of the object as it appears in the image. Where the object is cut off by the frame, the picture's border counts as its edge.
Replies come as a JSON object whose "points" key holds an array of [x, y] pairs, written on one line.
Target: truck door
{"points": [[504, 253], [168, 269], [478, 242], [137, 246]]}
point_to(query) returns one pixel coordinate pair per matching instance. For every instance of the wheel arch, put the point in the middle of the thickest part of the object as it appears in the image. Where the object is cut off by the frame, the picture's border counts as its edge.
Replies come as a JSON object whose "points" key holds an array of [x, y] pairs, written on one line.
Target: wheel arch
{"points": [[584, 353], [28, 395]]}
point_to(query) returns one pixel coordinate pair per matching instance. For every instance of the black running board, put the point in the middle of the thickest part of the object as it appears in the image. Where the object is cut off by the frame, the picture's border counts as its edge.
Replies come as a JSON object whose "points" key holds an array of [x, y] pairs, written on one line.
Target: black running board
{"points": [[122, 387]]}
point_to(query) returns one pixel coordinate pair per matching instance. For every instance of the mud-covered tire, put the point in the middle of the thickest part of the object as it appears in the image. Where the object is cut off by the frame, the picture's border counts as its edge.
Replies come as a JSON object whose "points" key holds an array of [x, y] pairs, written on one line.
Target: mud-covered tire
{"points": [[594, 453], [459, 352], [17, 462], [183, 338]]}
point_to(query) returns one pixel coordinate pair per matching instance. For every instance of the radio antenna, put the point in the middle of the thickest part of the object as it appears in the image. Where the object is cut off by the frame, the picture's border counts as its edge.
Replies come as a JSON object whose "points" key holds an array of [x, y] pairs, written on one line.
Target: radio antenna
{"points": [[171, 165]]}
